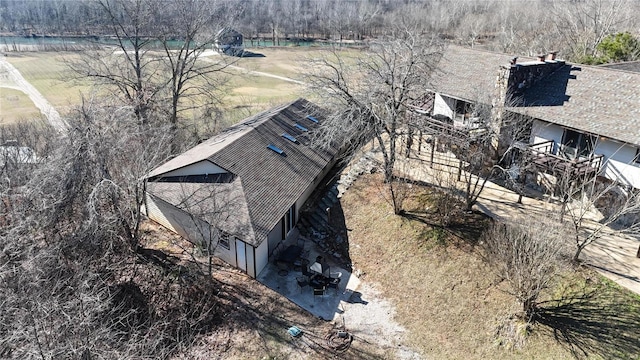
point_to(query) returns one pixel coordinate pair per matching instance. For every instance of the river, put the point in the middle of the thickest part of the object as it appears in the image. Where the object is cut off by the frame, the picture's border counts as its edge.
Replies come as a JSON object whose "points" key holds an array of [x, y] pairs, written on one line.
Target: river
{"points": [[45, 43]]}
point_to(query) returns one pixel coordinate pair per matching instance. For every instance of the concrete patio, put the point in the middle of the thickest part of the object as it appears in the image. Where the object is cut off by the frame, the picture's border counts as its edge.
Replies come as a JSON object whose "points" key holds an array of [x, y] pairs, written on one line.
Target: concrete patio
{"points": [[327, 306]]}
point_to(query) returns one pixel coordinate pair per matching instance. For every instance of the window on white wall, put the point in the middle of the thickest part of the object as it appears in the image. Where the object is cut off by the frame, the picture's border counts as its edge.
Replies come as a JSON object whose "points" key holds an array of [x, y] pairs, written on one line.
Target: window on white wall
{"points": [[224, 240], [577, 144]]}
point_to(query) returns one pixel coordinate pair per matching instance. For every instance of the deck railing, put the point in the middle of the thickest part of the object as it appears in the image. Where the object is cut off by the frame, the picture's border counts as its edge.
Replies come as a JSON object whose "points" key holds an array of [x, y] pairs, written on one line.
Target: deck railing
{"points": [[544, 156]]}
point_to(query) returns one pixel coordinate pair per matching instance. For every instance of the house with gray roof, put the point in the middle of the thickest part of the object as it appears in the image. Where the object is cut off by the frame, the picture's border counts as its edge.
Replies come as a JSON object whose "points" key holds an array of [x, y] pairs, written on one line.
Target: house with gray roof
{"points": [[239, 193], [587, 117], [229, 41]]}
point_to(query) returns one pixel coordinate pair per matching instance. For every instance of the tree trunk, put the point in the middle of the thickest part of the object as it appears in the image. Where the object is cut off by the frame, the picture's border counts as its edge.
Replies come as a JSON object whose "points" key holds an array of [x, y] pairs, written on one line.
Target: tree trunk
{"points": [[434, 143], [576, 256], [409, 142], [397, 208], [529, 308]]}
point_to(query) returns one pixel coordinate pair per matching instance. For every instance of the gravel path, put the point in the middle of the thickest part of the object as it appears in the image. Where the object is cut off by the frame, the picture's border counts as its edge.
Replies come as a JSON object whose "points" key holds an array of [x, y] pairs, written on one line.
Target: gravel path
{"points": [[370, 318], [38, 100], [260, 73]]}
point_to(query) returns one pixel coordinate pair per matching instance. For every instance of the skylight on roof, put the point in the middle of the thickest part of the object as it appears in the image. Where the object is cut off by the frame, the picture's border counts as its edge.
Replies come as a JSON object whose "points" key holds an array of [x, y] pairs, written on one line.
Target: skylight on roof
{"points": [[275, 149], [301, 127], [312, 119], [289, 137]]}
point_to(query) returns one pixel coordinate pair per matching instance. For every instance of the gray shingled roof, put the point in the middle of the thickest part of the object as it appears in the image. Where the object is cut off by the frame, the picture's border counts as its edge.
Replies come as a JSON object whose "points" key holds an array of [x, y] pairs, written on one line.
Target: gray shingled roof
{"points": [[633, 66], [598, 100], [269, 183], [221, 204], [469, 74]]}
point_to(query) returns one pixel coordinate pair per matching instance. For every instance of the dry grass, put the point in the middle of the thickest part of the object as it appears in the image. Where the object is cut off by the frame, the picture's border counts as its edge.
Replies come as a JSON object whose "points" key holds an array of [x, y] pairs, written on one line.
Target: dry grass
{"points": [[48, 73], [242, 96], [15, 106], [287, 62], [446, 297]]}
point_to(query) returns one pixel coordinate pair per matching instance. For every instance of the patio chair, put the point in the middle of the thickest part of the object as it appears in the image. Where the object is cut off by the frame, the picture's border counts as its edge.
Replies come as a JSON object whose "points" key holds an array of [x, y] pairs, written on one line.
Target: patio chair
{"points": [[302, 281], [334, 284], [318, 292], [301, 240], [304, 267]]}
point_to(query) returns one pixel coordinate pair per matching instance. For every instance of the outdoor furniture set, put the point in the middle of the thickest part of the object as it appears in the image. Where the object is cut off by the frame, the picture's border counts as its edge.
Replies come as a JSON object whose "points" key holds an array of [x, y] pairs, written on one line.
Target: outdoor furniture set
{"points": [[318, 276]]}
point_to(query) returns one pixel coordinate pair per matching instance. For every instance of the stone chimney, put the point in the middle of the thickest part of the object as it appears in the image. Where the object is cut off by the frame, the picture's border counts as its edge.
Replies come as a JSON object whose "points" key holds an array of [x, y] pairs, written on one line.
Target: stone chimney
{"points": [[541, 57], [551, 56]]}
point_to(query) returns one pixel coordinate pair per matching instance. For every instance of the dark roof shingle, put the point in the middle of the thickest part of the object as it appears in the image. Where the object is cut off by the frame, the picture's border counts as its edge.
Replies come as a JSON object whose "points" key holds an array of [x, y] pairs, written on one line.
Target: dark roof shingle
{"points": [[598, 100], [270, 183]]}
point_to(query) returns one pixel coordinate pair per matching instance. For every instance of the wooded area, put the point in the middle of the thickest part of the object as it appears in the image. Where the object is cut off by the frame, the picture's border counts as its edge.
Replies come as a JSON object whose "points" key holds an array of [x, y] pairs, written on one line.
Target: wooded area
{"points": [[582, 31]]}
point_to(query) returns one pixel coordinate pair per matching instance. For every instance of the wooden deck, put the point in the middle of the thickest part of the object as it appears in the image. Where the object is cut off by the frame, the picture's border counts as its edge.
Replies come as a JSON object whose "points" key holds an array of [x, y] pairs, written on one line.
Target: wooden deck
{"points": [[542, 156]]}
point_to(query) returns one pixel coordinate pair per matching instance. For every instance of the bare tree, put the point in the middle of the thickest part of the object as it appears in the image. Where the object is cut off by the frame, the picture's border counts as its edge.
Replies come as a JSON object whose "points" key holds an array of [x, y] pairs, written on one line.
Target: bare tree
{"points": [[598, 208], [527, 256], [192, 83], [210, 205], [372, 90], [74, 278], [156, 66], [129, 66], [583, 24]]}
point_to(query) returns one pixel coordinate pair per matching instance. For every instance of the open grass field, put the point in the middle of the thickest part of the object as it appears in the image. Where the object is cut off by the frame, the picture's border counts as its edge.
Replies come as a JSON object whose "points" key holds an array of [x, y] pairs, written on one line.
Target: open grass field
{"points": [[249, 94], [16, 106], [287, 62], [243, 95], [47, 72], [452, 305]]}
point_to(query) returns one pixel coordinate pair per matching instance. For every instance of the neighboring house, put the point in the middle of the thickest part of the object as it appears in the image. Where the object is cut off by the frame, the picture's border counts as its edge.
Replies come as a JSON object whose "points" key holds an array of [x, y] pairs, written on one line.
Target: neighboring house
{"points": [[241, 191], [586, 118], [13, 155], [229, 41]]}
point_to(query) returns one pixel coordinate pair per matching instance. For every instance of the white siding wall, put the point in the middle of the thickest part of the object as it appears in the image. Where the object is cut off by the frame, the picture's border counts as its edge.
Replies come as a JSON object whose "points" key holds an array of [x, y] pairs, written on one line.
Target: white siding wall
{"points": [[178, 221], [275, 236], [542, 131], [262, 256], [161, 216], [618, 163], [200, 168], [251, 261], [443, 105]]}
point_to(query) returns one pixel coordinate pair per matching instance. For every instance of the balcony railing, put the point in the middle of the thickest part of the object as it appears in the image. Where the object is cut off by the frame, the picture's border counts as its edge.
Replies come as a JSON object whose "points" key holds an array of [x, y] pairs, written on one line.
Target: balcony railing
{"points": [[543, 155]]}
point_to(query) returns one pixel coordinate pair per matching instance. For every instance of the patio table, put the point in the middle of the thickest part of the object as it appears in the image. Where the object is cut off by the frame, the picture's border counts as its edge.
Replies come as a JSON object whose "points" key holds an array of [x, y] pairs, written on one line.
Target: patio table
{"points": [[320, 268], [318, 281]]}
